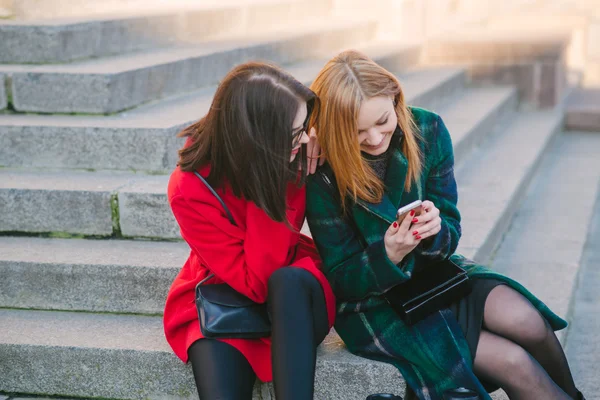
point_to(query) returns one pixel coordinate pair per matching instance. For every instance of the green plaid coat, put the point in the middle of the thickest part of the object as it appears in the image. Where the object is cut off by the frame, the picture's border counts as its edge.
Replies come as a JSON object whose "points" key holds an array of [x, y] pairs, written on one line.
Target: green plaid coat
{"points": [[432, 355]]}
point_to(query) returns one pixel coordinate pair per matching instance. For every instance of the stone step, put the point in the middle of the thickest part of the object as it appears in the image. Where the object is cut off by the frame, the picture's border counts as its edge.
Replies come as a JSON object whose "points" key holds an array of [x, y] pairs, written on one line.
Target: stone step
{"points": [[77, 264], [539, 238], [64, 40], [583, 110], [493, 182], [530, 57], [112, 84], [145, 139], [135, 205], [582, 346], [127, 357], [120, 276]]}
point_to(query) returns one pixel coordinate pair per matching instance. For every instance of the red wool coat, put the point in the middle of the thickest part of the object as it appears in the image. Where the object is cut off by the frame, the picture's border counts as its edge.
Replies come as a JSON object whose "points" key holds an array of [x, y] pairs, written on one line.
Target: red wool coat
{"points": [[243, 256]]}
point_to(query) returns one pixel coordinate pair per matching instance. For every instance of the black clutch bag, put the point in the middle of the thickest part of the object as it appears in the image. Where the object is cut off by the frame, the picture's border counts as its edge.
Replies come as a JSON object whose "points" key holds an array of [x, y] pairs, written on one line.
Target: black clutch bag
{"points": [[225, 313], [434, 287]]}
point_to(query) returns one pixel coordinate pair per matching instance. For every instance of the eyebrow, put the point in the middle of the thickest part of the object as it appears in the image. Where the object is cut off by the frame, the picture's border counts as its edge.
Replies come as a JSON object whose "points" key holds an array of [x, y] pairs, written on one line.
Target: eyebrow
{"points": [[385, 114]]}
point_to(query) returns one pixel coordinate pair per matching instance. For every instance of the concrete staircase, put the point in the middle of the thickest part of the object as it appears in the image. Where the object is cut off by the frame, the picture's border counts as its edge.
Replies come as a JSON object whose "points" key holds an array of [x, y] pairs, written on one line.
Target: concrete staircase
{"points": [[88, 244]]}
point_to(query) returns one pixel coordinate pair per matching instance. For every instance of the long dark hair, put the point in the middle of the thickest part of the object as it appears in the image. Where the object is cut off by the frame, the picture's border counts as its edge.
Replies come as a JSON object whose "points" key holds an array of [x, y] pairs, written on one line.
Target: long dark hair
{"points": [[246, 137]]}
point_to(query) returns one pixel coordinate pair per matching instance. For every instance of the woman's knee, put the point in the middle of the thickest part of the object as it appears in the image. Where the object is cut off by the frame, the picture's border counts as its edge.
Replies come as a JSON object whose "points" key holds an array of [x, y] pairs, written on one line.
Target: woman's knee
{"points": [[290, 277], [521, 321]]}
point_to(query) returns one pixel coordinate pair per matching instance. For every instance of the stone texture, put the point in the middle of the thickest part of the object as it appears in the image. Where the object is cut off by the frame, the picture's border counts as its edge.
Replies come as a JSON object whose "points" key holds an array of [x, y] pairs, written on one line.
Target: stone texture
{"points": [[3, 96], [583, 110], [118, 83], [144, 210], [535, 63], [492, 184], [583, 346], [63, 202], [144, 139], [127, 357], [432, 88], [120, 276], [537, 248], [90, 147], [57, 41], [475, 115]]}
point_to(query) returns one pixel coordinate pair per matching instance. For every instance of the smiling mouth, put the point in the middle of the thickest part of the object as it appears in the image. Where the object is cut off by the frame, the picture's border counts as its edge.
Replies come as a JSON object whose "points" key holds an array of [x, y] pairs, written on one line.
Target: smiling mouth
{"points": [[376, 146], [295, 151]]}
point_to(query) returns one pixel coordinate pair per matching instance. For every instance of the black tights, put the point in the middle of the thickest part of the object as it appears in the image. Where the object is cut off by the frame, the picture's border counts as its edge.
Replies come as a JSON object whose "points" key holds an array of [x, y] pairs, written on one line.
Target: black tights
{"points": [[519, 352], [298, 322]]}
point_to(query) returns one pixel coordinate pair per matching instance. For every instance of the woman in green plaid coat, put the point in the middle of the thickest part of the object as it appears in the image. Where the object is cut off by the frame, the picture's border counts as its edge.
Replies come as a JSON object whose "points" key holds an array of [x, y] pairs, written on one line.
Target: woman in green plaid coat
{"points": [[381, 155]]}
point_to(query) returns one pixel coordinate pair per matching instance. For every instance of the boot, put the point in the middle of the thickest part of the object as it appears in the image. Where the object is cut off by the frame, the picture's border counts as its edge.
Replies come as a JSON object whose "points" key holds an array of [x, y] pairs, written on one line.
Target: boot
{"points": [[383, 396], [460, 394]]}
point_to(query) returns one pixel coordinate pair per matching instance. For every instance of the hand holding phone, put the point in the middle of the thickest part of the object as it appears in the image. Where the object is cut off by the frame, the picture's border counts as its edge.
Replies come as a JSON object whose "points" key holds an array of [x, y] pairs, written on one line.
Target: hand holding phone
{"points": [[416, 206], [398, 239]]}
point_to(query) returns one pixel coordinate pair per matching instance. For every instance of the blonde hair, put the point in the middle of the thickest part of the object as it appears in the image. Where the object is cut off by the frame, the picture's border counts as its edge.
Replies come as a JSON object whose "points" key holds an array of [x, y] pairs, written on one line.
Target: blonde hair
{"points": [[342, 85]]}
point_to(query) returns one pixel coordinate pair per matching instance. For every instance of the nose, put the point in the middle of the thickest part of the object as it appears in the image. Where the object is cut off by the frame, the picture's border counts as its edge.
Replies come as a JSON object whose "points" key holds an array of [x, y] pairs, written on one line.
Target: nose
{"points": [[374, 137], [304, 138]]}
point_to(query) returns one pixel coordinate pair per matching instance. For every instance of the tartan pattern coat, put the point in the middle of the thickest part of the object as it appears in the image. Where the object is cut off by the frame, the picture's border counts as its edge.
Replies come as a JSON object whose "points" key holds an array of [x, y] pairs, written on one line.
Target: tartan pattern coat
{"points": [[432, 355]]}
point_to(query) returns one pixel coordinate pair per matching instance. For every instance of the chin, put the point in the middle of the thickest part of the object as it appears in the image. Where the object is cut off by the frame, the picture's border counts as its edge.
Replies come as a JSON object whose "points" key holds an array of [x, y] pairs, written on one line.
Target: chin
{"points": [[380, 150]]}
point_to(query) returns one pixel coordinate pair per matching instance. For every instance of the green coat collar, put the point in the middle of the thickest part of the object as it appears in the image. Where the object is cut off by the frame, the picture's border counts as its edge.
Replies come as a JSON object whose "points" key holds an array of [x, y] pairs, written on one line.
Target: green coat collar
{"points": [[394, 195]]}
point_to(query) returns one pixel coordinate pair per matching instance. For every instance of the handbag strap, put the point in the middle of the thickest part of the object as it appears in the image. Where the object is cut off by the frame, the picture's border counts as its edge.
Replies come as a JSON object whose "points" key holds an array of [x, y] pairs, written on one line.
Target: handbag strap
{"points": [[218, 198], [229, 215]]}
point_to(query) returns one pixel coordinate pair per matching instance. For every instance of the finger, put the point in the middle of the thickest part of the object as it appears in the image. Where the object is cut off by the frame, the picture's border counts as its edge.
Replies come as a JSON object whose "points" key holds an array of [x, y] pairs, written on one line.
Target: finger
{"points": [[432, 214], [393, 228], [321, 159], [313, 160], [427, 205], [432, 227], [429, 234], [405, 223]]}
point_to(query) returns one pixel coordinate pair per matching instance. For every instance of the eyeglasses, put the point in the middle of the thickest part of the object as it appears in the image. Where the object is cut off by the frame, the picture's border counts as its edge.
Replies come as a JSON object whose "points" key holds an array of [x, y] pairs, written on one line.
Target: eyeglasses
{"points": [[296, 137]]}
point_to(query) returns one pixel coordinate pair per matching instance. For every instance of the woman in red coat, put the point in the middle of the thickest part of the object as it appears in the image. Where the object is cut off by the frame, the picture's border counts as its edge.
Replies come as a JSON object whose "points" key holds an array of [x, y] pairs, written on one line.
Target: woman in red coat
{"points": [[249, 147]]}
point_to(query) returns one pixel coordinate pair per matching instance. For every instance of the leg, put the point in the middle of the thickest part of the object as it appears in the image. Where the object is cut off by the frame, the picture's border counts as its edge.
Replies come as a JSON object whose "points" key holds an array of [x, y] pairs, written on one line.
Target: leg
{"points": [[500, 361], [509, 314], [299, 323], [221, 371]]}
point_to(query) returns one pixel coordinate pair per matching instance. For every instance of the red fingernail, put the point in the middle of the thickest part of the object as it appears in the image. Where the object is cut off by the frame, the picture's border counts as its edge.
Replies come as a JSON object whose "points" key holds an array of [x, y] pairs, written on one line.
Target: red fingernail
{"points": [[395, 224], [418, 237], [415, 232], [412, 213], [415, 220]]}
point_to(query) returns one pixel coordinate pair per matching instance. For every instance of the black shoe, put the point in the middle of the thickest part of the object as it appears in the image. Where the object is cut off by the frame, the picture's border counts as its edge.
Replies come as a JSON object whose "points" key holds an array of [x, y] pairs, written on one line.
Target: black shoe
{"points": [[461, 394], [383, 396]]}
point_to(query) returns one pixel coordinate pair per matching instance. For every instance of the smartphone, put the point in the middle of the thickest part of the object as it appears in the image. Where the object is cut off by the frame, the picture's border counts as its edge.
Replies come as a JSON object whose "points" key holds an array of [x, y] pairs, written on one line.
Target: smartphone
{"points": [[416, 206]]}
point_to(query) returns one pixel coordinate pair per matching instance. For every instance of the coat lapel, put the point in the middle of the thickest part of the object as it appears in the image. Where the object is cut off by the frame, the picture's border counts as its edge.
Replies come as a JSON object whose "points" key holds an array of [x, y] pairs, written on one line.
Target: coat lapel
{"points": [[394, 194]]}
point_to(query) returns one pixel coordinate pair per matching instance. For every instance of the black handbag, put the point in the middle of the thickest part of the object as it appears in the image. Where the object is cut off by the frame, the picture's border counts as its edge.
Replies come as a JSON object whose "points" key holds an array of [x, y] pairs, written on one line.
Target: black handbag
{"points": [[225, 313], [430, 289]]}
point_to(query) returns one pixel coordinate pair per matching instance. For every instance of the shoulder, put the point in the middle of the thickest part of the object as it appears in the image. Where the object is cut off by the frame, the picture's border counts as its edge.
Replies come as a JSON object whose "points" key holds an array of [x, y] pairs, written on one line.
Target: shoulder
{"points": [[428, 122], [184, 184], [436, 140], [187, 187], [322, 179]]}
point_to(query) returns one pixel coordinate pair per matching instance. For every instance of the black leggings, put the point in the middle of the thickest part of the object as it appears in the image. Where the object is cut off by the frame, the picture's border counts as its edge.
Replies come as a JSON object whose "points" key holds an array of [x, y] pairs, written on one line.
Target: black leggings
{"points": [[298, 322]]}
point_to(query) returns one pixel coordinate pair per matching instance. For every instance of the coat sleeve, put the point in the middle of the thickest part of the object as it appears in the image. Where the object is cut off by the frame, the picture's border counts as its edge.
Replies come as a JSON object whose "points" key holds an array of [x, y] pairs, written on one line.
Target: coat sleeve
{"points": [[221, 248], [440, 188], [354, 271]]}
